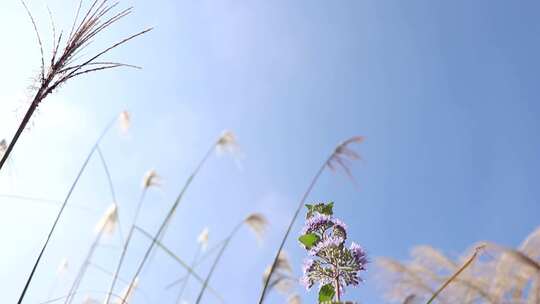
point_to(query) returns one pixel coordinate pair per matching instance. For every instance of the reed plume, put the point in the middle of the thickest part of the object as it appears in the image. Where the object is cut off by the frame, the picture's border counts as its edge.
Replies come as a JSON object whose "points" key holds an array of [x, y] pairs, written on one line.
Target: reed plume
{"points": [[67, 60], [500, 275], [338, 160], [294, 299], [283, 279]]}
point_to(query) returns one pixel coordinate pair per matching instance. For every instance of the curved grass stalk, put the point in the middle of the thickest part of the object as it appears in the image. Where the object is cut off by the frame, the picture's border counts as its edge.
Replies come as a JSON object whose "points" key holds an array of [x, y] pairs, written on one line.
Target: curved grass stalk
{"points": [[456, 274], [111, 187], [179, 261], [84, 267], [126, 246], [216, 261], [60, 212], [119, 297], [197, 263], [44, 201], [186, 280], [120, 279], [171, 212], [338, 158]]}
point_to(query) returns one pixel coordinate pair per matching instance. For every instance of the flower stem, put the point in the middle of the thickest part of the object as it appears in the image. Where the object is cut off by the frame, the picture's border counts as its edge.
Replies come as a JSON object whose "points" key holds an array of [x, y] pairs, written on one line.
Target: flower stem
{"points": [[338, 296]]}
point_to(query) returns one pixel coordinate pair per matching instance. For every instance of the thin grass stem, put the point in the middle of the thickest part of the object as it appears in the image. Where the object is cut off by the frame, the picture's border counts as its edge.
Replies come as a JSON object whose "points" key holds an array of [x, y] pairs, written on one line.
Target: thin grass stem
{"points": [[84, 267], [183, 287], [216, 261], [60, 212], [179, 261], [289, 228], [170, 214], [126, 246]]}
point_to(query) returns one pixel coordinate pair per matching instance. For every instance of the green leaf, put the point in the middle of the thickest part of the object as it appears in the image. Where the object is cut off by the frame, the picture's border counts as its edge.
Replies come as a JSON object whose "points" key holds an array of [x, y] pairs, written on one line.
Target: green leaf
{"points": [[328, 209], [326, 293], [309, 239], [321, 208]]}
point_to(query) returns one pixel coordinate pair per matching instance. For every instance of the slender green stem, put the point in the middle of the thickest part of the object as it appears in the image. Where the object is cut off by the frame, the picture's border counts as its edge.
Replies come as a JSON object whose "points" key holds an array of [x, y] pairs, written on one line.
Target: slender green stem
{"points": [[216, 261], [197, 263], [113, 192], [179, 261], [82, 270], [289, 228], [60, 212], [169, 216], [126, 246], [183, 287], [338, 296]]}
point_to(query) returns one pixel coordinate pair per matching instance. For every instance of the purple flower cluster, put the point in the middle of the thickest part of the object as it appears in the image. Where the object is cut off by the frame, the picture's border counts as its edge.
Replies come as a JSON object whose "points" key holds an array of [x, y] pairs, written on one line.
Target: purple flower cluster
{"points": [[327, 243], [307, 268], [359, 255], [331, 262], [317, 223]]}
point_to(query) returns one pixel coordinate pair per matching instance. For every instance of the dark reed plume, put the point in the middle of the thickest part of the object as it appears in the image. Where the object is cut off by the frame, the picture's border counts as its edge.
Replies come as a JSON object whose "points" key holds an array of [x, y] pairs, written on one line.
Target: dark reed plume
{"points": [[66, 58]]}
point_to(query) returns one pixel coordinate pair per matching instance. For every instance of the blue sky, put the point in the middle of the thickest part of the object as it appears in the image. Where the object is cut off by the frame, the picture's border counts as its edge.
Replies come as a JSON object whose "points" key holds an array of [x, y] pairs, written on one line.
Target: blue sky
{"points": [[445, 93]]}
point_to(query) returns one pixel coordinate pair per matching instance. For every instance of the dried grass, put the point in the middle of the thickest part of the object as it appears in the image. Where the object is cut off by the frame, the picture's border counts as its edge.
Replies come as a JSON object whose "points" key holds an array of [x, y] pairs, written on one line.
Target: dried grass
{"points": [[501, 275]]}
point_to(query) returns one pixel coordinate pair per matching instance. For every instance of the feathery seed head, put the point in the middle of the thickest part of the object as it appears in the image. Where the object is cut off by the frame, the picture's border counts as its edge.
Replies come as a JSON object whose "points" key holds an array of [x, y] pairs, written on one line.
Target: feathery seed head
{"points": [[3, 146], [294, 299], [202, 239], [281, 278], [63, 267], [343, 155], [151, 179], [108, 221], [227, 143], [124, 120], [258, 224]]}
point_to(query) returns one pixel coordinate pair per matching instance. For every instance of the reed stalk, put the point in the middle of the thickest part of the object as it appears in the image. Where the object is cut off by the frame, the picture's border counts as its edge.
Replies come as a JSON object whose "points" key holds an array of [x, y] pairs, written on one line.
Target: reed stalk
{"points": [[82, 270], [179, 261], [467, 263], [62, 208], [171, 212], [126, 246], [186, 280], [216, 261]]}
